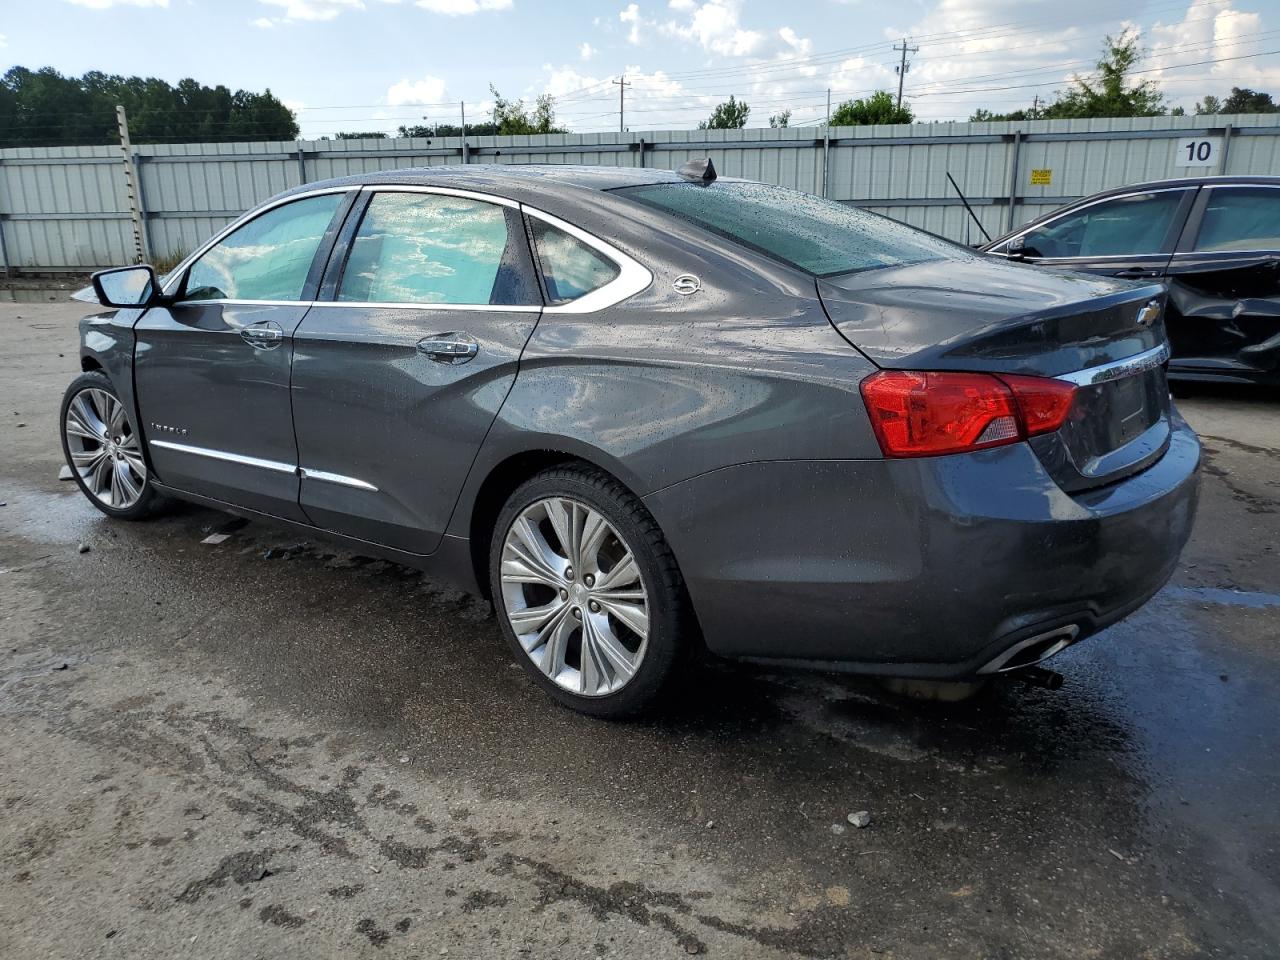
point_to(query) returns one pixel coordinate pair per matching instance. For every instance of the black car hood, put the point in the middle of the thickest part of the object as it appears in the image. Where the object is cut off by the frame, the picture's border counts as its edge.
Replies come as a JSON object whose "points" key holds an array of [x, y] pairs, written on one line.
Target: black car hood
{"points": [[982, 313]]}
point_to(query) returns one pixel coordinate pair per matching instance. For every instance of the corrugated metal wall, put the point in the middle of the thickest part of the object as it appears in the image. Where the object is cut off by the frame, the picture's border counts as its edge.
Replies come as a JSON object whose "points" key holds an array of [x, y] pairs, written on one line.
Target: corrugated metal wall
{"points": [[66, 208]]}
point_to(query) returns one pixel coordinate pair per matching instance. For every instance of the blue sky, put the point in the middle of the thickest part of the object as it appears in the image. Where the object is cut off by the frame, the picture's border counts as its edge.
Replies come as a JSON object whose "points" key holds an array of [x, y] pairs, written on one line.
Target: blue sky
{"points": [[372, 64]]}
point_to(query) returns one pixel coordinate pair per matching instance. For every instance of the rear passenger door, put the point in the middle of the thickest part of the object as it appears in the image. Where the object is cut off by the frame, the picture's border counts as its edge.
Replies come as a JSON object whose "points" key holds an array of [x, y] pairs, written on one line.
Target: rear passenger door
{"points": [[402, 364], [1224, 282], [1130, 236]]}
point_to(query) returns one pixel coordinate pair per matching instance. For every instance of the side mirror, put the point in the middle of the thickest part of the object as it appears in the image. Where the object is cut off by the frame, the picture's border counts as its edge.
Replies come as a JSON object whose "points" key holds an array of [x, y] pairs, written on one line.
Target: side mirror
{"points": [[126, 286], [1016, 248]]}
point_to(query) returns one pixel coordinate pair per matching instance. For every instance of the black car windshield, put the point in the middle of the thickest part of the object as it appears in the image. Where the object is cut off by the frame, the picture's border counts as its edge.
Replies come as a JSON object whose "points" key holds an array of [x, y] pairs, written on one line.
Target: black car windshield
{"points": [[819, 236]]}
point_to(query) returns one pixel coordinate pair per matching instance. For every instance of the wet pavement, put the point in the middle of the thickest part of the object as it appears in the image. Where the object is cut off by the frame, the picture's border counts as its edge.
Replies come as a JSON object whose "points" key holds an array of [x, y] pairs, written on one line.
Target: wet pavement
{"points": [[272, 747]]}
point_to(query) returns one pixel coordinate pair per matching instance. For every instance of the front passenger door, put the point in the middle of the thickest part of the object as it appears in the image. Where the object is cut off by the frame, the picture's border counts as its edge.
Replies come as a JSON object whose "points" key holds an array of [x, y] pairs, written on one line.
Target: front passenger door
{"points": [[401, 368], [212, 370]]}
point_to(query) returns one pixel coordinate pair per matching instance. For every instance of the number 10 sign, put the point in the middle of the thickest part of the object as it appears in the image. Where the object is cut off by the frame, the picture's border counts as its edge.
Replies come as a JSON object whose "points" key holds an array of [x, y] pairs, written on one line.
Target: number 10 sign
{"points": [[1198, 152]]}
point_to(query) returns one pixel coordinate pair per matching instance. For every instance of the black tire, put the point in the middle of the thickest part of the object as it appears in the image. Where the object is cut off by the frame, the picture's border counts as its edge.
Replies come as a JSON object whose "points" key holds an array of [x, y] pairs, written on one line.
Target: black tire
{"points": [[670, 623], [149, 500]]}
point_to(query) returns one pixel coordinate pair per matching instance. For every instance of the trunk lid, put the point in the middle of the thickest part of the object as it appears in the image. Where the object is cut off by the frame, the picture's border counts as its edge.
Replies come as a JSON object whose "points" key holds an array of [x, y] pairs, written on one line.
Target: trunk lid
{"points": [[986, 315]]}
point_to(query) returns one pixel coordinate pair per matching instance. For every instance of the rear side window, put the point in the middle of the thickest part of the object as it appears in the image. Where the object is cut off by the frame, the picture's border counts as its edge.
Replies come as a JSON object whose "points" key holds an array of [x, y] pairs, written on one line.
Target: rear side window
{"points": [[266, 259], [1240, 218], [819, 236], [570, 268], [432, 248], [1125, 226]]}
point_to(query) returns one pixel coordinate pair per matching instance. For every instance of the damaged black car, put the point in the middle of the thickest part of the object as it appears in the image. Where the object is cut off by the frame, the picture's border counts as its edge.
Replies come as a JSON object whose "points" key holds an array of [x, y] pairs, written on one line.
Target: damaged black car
{"points": [[1214, 240]]}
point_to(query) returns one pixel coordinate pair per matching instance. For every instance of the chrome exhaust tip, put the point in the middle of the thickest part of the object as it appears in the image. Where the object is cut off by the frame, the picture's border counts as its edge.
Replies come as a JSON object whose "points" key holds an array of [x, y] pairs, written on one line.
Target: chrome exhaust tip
{"points": [[1033, 650]]}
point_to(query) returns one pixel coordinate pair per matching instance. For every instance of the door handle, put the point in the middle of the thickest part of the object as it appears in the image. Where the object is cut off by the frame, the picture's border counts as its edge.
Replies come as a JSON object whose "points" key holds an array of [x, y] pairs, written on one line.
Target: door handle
{"points": [[449, 347], [266, 335], [1135, 273]]}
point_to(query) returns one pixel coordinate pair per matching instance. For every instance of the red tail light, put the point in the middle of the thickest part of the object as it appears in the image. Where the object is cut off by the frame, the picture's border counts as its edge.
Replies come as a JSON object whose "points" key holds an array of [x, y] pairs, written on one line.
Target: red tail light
{"points": [[932, 413]]}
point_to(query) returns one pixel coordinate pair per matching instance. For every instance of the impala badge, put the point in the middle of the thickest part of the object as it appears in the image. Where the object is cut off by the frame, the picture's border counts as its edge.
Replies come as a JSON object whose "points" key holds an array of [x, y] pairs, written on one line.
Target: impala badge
{"points": [[1149, 314], [686, 284]]}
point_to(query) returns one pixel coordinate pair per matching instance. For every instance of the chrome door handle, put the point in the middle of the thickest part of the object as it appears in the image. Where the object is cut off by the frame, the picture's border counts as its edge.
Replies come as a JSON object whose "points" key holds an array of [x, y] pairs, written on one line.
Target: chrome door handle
{"points": [[264, 336], [449, 347], [1135, 273]]}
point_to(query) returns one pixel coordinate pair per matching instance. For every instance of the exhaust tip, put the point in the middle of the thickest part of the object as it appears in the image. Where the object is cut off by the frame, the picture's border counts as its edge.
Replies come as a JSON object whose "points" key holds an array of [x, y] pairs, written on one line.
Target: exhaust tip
{"points": [[1026, 653]]}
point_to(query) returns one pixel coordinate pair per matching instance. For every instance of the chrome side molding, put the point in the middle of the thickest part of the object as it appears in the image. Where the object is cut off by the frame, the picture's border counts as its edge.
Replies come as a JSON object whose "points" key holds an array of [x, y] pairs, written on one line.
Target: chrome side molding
{"points": [[273, 465], [1119, 369]]}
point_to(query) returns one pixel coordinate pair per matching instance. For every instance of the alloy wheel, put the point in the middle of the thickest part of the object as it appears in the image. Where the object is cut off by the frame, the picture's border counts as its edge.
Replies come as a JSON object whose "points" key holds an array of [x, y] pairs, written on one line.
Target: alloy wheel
{"points": [[574, 596], [104, 449]]}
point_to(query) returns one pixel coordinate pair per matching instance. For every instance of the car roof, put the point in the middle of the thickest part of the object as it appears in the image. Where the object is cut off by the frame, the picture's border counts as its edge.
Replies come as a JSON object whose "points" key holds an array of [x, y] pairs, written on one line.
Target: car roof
{"points": [[513, 181]]}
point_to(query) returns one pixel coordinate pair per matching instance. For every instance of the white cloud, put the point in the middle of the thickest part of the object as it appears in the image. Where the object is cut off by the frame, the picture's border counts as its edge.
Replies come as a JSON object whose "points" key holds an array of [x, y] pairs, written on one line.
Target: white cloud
{"points": [[1228, 33], [107, 4], [313, 9], [407, 92], [586, 51], [462, 8], [4, 41], [631, 14], [682, 5], [262, 23]]}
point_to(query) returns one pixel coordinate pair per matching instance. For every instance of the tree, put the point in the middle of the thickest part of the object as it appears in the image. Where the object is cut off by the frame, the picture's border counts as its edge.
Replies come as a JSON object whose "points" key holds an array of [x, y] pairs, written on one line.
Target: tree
{"points": [[880, 107], [1111, 94], [42, 107], [1210, 104], [780, 120], [484, 129], [730, 115], [360, 135], [512, 117], [1248, 101]]}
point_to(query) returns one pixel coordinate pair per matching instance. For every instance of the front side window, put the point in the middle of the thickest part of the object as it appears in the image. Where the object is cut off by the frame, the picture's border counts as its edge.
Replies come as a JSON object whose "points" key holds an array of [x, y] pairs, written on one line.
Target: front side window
{"points": [[432, 248], [1125, 226], [1240, 218], [570, 268], [819, 236], [266, 259]]}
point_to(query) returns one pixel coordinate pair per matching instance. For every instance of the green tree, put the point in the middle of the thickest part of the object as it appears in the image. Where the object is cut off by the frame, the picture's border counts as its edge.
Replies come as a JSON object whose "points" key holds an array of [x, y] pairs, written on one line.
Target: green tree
{"points": [[780, 120], [1112, 93], [360, 135], [1210, 104], [512, 117], [1249, 101], [730, 115], [447, 130], [880, 107], [42, 107]]}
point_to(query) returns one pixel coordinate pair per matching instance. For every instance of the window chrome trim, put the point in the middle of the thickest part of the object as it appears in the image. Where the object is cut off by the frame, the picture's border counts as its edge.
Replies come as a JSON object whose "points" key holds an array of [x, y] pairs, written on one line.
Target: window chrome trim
{"points": [[308, 474], [225, 456], [1119, 369], [441, 191], [233, 302], [632, 276], [251, 214], [399, 305]]}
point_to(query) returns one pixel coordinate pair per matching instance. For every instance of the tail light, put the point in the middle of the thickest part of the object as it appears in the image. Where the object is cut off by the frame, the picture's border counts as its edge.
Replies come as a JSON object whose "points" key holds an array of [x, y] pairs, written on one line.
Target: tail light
{"points": [[925, 414]]}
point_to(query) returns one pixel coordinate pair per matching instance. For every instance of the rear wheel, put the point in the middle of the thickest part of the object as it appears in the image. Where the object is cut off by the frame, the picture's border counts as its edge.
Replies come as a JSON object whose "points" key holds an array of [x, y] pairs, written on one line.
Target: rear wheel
{"points": [[587, 591], [103, 449]]}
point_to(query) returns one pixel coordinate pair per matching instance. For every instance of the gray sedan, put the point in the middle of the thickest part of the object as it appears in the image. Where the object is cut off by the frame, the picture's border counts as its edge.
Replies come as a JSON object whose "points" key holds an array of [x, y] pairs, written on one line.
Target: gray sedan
{"points": [[648, 413]]}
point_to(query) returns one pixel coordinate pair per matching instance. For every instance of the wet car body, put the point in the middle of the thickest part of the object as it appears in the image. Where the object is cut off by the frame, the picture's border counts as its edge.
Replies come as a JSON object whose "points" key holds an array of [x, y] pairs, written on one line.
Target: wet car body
{"points": [[726, 392], [1216, 242]]}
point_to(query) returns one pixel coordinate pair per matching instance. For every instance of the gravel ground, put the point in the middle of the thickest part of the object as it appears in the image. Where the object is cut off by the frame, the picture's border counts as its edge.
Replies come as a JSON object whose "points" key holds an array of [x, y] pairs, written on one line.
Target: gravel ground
{"points": [[273, 748]]}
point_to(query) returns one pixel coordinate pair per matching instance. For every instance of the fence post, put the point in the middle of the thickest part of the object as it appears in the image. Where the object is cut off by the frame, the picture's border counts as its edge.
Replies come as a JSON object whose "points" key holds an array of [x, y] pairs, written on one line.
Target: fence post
{"points": [[4, 250], [302, 163], [1226, 149], [131, 188], [1013, 178]]}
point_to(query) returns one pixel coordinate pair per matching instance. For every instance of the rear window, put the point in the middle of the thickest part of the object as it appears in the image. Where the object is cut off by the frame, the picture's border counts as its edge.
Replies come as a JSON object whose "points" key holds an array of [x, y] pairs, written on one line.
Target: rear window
{"points": [[819, 236]]}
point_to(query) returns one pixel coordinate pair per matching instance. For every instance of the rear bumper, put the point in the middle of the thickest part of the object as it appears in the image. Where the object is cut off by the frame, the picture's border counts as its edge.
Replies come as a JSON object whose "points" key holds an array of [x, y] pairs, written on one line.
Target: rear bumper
{"points": [[929, 567]]}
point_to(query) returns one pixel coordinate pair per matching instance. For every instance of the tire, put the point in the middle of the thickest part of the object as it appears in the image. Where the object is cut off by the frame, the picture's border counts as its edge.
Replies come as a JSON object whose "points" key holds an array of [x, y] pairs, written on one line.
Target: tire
{"points": [[556, 609], [116, 480]]}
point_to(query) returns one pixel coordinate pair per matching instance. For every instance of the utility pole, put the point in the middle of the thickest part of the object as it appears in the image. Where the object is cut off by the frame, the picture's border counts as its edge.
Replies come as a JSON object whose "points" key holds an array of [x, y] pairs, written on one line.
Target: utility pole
{"points": [[826, 146], [462, 108], [1035, 107], [622, 102], [903, 67], [131, 188]]}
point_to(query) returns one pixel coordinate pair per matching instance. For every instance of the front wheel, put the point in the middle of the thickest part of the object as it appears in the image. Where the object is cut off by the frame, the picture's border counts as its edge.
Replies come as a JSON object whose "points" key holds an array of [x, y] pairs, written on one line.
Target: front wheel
{"points": [[587, 591], [103, 449]]}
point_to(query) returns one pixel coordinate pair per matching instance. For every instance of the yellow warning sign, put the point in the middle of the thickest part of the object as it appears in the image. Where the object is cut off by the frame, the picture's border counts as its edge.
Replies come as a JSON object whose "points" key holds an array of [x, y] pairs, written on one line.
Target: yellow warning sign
{"points": [[1042, 178]]}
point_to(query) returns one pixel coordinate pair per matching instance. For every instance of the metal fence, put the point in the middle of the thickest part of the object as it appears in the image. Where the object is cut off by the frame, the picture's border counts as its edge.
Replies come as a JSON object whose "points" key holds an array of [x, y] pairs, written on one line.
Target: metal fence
{"points": [[69, 208]]}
